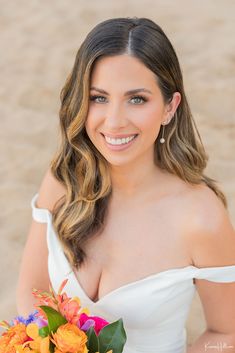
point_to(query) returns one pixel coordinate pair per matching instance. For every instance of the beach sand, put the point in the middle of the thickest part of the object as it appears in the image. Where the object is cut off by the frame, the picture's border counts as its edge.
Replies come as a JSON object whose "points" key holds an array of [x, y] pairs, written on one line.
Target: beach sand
{"points": [[39, 41]]}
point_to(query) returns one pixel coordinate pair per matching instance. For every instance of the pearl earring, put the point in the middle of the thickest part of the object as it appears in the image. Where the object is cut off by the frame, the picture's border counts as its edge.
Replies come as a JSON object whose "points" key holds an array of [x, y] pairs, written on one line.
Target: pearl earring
{"points": [[162, 140]]}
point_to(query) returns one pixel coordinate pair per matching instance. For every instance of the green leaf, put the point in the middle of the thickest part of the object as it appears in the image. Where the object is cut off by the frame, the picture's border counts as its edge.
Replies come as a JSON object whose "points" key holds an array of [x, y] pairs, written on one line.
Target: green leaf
{"points": [[44, 331], [55, 319], [93, 341], [112, 336]]}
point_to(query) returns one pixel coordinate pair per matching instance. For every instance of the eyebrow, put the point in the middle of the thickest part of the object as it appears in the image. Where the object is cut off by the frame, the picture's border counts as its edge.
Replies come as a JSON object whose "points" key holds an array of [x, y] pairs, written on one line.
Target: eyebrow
{"points": [[128, 93]]}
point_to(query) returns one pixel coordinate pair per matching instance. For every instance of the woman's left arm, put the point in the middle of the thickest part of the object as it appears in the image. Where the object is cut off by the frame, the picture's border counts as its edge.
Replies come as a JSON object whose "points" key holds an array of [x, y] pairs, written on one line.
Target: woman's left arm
{"points": [[213, 245]]}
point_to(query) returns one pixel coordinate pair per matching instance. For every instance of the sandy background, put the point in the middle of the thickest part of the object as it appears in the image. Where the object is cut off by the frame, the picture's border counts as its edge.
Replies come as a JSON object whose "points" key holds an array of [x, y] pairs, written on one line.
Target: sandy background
{"points": [[39, 40]]}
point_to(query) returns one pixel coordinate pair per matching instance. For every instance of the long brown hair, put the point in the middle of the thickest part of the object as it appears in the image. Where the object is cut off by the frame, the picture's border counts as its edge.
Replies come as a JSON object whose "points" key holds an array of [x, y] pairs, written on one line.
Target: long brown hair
{"points": [[80, 167]]}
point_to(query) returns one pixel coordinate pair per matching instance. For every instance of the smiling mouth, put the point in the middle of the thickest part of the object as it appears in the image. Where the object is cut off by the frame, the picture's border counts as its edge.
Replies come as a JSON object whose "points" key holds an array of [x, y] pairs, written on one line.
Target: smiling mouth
{"points": [[119, 140]]}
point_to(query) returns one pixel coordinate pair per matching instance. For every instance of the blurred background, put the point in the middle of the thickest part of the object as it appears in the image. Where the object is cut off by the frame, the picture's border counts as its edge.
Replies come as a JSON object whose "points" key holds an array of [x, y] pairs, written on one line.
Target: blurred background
{"points": [[39, 41]]}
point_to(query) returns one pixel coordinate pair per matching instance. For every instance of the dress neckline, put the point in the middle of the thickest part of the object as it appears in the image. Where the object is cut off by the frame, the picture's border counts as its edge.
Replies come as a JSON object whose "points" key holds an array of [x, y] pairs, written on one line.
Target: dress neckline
{"points": [[138, 281], [124, 286]]}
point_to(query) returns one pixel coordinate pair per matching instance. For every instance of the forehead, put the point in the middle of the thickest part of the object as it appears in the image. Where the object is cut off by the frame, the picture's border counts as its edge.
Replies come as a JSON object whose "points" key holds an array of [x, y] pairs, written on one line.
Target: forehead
{"points": [[122, 70]]}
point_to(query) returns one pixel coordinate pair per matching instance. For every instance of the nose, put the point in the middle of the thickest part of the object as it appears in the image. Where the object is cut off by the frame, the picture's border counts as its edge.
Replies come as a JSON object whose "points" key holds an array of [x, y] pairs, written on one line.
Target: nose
{"points": [[114, 116]]}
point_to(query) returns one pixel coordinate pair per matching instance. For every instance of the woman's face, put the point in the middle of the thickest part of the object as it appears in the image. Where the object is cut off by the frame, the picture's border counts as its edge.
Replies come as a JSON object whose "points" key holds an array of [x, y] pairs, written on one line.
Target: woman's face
{"points": [[126, 109]]}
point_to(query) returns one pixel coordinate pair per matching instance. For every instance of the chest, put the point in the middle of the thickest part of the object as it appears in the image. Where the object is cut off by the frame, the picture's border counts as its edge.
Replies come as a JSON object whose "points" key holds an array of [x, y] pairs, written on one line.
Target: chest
{"points": [[135, 234], [136, 241]]}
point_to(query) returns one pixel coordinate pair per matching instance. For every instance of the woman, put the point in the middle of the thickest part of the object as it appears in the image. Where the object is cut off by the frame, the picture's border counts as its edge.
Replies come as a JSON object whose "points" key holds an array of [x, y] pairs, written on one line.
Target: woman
{"points": [[125, 210]]}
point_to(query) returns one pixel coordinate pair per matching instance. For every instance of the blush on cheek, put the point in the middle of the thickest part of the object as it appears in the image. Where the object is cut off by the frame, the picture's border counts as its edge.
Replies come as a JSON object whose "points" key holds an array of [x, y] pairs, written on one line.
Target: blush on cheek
{"points": [[150, 126]]}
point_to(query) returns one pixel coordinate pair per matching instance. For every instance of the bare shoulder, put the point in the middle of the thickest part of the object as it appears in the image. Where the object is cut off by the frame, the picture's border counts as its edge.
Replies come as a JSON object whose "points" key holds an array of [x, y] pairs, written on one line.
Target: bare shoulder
{"points": [[210, 231], [204, 207], [196, 201], [50, 191]]}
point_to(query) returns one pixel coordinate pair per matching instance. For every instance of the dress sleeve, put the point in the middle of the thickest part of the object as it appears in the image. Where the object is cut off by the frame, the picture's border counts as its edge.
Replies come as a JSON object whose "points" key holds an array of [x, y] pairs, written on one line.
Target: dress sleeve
{"points": [[216, 274], [41, 215]]}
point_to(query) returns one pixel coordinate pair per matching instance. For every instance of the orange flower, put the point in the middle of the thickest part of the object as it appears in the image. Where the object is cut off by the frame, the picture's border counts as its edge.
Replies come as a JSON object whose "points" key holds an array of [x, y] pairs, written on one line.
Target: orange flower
{"points": [[14, 336], [69, 338]]}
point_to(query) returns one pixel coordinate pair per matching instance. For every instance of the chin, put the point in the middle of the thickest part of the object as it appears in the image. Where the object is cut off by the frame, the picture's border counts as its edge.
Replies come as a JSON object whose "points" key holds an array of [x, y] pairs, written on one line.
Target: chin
{"points": [[120, 161]]}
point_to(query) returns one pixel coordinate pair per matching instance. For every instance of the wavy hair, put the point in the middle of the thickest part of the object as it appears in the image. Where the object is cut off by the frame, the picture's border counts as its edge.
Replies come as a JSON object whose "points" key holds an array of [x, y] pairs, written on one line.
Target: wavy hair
{"points": [[80, 167]]}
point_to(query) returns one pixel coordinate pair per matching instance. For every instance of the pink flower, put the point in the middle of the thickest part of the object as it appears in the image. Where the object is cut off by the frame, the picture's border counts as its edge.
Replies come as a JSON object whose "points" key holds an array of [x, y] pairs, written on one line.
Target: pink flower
{"points": [[70, 309], [87, 321]]}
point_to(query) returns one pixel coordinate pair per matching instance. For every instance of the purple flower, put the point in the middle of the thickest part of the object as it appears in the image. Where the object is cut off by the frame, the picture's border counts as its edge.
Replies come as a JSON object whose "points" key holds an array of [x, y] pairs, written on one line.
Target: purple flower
{"points": [[97, 322], [40, 322], [89, 323]]}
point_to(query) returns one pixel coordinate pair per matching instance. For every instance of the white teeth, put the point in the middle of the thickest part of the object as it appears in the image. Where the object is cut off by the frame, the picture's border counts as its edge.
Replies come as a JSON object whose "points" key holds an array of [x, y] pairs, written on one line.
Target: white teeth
{"points": [[119, 141]]}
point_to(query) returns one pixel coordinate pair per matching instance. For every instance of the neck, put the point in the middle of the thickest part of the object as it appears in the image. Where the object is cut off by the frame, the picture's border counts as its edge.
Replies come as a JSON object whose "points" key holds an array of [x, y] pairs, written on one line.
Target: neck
{"points": [[133, 180]]}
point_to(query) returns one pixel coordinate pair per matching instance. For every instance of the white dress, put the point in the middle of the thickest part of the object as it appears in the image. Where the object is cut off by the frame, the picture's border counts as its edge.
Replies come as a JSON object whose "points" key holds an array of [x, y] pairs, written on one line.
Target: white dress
{"points": [[154, 309]]}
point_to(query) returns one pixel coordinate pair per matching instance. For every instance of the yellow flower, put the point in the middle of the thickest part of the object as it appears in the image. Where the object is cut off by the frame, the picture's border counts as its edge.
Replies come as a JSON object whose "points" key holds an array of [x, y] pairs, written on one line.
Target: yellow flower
{"points": [[22, 349], [38, 344], [15, 335], [69, 338]]}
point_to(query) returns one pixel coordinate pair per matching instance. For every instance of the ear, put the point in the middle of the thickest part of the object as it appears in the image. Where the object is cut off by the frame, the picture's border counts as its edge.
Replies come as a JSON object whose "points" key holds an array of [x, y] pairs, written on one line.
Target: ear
{"points": [[171, 108]]}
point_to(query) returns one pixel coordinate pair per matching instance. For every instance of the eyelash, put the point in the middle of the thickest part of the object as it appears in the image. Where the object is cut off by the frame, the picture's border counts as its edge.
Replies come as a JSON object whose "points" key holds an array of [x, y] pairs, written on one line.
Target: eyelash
{"points": [[94, 97]]}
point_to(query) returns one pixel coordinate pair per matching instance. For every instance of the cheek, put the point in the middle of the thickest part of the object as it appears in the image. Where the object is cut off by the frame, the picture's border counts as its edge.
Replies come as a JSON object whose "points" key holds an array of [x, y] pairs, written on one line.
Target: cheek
{"points": [[94, 118], [150, 121], [91, 122]]}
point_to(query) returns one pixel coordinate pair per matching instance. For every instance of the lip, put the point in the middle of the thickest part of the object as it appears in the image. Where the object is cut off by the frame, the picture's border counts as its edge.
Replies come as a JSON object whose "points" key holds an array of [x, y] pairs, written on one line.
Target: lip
{"points": [[118, 136]]}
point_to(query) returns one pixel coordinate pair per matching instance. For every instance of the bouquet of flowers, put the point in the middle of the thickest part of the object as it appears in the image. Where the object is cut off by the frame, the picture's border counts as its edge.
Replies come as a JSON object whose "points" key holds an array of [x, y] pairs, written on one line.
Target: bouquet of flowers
{"points": [[60, 325]]}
